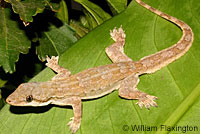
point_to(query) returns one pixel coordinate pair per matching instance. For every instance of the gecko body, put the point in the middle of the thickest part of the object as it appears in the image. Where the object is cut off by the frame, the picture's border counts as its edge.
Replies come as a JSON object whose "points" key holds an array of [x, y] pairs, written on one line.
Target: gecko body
{"points": [[66, 89]]}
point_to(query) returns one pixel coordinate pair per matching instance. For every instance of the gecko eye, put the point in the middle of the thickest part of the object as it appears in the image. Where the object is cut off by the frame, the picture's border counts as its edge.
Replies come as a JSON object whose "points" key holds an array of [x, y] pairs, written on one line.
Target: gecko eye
{"points": [[29, 98]]}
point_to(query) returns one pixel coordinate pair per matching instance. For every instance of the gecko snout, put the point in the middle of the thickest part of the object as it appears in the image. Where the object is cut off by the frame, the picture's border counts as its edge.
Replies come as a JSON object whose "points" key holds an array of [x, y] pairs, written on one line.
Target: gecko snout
{"points": [[8, 100], [11, 99]]}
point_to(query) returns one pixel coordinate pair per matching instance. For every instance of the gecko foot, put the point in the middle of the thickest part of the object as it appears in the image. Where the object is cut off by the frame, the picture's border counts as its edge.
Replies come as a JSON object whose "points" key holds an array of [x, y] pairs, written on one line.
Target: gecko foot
{"points": [[147, 101], [73, 126], [117, 35], [52, 61], [53, 64]]}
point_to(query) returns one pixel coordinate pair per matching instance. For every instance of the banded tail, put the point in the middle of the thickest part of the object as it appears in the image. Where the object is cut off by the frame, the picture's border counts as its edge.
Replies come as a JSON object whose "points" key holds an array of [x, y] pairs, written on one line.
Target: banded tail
{"points": [[162, 58]]}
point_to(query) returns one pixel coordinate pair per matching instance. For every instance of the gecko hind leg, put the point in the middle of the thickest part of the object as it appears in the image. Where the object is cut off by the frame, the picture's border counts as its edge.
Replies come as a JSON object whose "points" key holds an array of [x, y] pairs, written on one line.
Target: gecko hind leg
{"points": [[53, 64], [128, 89], [116, 51]]}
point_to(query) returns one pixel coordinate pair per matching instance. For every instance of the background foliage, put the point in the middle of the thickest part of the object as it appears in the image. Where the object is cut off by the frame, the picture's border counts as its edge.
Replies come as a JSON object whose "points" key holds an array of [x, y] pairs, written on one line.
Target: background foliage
{"points": [[51, 31]]}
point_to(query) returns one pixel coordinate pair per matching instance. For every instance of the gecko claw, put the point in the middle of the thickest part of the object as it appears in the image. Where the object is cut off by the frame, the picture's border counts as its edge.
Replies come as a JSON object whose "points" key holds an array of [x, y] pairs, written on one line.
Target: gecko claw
{"points": [[147, 101]]}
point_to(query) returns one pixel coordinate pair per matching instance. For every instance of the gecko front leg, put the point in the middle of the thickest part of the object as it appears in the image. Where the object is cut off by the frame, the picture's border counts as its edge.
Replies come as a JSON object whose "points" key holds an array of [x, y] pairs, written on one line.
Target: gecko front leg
{"points": [[53, 64], [116, 51], [128, 89], [75, 102]]}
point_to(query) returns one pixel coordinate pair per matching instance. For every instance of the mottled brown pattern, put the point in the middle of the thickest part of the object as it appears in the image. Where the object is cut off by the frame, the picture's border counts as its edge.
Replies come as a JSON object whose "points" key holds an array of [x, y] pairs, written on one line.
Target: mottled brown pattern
{"points": [[166, 16], [66, 89], [152, 9], [174, 52]]}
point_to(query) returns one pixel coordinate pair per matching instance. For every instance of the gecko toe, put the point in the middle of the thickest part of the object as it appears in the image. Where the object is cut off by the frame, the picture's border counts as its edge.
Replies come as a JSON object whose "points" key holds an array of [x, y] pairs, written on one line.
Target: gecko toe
{"points": [[52, 61], [117, 34], [147, 101]]}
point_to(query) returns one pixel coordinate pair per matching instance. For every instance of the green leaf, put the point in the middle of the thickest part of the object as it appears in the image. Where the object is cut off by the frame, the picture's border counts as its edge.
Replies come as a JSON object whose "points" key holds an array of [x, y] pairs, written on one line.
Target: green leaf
{"points": [[2, 82], [117, 6], [84, 21], [94, 11], [13, 41], [55, 41], [90, 20], [28, 8], [177, 86], [1, 101], [62, 13], [78, 27]]}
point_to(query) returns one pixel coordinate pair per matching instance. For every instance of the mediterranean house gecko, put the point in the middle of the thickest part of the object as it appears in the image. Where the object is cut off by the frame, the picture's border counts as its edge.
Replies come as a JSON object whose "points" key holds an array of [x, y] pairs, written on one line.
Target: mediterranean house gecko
{"points": [[66, 89]]}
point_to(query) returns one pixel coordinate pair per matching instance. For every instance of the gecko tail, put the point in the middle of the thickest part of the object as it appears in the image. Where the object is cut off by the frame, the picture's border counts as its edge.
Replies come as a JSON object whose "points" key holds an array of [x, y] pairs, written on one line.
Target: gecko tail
{"points": [[164, 57], [176, 21]]}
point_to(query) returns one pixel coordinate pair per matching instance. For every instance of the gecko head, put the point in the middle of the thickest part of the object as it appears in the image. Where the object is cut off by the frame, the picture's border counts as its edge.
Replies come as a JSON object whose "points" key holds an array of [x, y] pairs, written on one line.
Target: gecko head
{"points": [[26, 95]]}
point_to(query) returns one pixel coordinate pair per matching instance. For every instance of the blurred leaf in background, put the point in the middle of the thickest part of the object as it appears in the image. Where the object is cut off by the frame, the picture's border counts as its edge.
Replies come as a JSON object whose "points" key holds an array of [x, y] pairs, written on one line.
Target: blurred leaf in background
{"points": [[55, 41], [29, 8], [16, 39], [13, 41], [117, 6], [62, 13], [2, 83]]}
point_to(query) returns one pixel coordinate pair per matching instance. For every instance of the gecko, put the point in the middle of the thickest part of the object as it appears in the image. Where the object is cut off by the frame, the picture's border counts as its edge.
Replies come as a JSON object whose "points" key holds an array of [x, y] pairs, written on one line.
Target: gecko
{"points": [[123, 74]]}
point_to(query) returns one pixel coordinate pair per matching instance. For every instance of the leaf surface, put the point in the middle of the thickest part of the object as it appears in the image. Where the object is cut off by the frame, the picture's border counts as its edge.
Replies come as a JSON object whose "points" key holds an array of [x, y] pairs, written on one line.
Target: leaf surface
{"points": [[13, 41], [28, 8], [95, 14], [62, 13], [177, 86], [117, 6], [55, 41]]}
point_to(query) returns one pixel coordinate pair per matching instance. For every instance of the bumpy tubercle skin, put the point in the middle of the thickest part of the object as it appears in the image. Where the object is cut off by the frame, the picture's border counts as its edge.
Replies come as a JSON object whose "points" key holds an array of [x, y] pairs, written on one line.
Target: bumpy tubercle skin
{"points": [[123, 74]]}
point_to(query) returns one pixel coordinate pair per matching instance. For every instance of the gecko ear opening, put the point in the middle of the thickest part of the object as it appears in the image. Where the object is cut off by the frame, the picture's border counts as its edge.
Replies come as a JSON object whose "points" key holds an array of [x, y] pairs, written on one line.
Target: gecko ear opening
{"points": [[29, 98]]}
